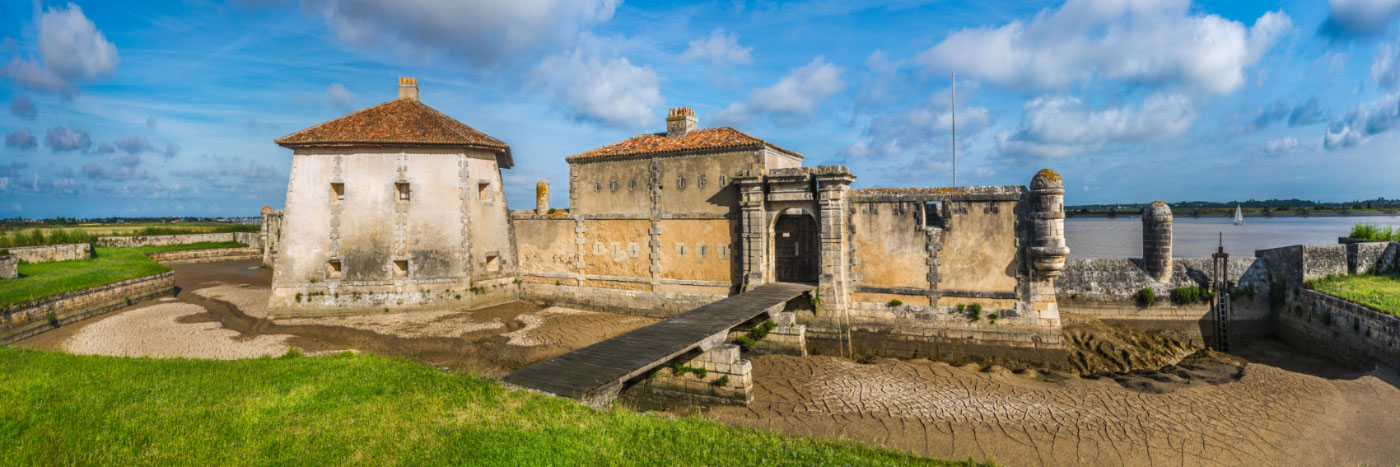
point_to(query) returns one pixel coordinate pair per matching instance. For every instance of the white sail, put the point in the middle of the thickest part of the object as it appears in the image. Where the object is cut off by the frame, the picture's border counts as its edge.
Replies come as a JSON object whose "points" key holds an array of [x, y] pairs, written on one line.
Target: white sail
{"points": [[1239, 216]]}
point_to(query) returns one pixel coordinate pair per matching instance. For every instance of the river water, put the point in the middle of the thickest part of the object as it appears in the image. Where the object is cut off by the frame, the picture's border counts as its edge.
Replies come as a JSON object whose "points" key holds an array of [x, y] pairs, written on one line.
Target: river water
{"points": [[1197, 238]]}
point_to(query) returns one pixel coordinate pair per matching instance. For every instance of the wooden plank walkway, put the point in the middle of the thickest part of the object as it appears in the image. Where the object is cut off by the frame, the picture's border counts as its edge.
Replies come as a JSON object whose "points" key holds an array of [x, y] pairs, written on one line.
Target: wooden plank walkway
{"points": [[595, 370]]}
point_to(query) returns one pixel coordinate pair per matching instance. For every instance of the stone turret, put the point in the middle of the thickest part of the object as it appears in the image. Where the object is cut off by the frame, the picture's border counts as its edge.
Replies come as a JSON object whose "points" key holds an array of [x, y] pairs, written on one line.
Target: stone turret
{"points": [[1047, 215], [1157, 240], [542, 197]]}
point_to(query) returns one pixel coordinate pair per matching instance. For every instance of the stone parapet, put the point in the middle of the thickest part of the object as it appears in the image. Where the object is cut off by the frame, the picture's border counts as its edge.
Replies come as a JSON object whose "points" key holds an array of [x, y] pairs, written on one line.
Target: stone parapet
{"points": [[206, 256], [163, 240], [52, 253], [9, 267], [32, 317], [1342, 330]]}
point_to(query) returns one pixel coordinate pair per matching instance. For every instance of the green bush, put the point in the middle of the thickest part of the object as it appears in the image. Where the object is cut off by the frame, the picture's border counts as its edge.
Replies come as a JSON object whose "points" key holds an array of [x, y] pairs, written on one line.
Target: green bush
{"points": [[992, 317], [961, 307], [1188, 295], [1146, 296], [1370, 232], [974, 311], [895, 302], [722, 381], [746, 342]]}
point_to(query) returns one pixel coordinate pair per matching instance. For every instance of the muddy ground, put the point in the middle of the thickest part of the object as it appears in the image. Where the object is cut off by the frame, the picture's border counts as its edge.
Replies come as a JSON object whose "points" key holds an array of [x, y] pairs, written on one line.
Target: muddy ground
{"points": [[1266, 404], [220, 311]]}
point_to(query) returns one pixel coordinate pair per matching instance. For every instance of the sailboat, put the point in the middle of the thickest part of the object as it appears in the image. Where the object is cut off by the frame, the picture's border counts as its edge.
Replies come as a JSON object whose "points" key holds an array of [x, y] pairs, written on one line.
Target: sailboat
{"points": [[1239, 216]]}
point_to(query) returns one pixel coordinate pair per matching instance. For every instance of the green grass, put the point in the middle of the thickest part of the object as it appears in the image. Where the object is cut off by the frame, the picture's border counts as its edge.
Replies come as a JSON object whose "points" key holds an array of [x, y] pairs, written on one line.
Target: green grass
{"points": [[64, 409], [1370, 232], [111, 265], [1381, 292]]}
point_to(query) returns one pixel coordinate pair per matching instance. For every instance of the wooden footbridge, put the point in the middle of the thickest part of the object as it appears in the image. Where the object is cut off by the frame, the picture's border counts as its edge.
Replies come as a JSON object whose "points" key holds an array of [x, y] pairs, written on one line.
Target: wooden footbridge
{"points": [[597, 372]]}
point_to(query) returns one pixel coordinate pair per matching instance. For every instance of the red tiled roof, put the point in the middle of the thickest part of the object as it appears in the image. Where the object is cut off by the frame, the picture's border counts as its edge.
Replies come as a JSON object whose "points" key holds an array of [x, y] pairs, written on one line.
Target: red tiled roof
{"points": [[400, 122], [652, 143]]}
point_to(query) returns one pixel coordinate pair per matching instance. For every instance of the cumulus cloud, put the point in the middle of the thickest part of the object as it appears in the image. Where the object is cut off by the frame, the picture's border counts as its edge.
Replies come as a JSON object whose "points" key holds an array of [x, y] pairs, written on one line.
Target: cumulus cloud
{"points": [[1363, 122], [133, 145], [22, 107], [21, 139], [340, 97], [1306, 113], [1145, 41], [116, 172], [1385, 67], [611, 91], [483, 32], [232, 173], [1060, 126], [1279, 147], [63, 138], [793, 99], [926, 126], [1359, 17], [720, 49], [106, 148], [71, 51]]}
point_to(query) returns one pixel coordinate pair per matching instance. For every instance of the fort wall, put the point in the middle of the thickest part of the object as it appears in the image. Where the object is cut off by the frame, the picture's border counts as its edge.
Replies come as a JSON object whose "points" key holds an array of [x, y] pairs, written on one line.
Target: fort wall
{"points": [[51, 253], [32, 317], [1339, 329]]}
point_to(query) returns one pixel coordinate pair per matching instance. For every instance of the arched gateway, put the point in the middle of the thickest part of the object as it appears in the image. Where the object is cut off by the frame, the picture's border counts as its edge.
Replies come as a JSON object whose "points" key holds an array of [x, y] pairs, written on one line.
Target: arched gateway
{"points": [[795, 248]]}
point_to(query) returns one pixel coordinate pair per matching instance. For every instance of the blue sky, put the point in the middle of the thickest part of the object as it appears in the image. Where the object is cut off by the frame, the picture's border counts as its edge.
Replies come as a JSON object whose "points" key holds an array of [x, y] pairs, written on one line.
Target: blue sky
{"points": [[148, 108]]}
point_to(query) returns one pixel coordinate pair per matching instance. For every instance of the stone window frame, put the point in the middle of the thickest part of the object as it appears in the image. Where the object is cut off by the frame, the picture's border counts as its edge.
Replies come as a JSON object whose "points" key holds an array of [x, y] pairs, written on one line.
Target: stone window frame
{"points": [[402, 191], [334, 269], [613, 185], [680, 182], [701, 180], [632, 185], [400, 268], [337, 193], [597, 186]]}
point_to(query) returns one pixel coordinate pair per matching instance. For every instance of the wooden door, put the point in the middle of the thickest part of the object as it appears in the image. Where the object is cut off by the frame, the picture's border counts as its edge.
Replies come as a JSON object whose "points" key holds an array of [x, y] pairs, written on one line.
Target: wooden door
{"points": [[796, 250]]}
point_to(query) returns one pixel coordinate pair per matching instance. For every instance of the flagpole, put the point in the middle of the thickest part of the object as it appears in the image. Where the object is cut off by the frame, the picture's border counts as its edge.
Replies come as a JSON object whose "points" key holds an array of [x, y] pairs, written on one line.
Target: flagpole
{"points": [[954, 77]]}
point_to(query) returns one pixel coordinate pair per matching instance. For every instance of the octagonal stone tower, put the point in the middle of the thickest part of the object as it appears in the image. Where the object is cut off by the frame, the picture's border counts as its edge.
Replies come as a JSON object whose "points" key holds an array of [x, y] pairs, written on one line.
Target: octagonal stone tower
{"points": [[1157, 240], [1047, 215]]}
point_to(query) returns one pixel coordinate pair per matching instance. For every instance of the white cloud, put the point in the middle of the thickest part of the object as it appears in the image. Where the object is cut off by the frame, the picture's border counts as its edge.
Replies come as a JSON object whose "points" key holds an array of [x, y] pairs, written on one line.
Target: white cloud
{"points": [[720, 49], [794, 98], [134, 145], [71, 50], [63, 138], [22, 107], [340, 97], [926, 125], [1359, 17], [483, 32], [1363, 122], [611, 91], [21, 139], [1279, 147], [1060, 126], [1385, 67], [984, 172], [1145, 41]]}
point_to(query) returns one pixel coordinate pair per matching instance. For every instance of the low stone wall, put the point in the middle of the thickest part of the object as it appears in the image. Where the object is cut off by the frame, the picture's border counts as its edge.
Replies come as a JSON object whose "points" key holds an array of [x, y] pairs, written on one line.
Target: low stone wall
{"points": [[33, 317], [636, 302], [1389, 259], [163, 240], [9, 267], [1336, 328], [51, 253], [1297, 264], [206, 256], [252, 239], [722, 364], [324, 299]]}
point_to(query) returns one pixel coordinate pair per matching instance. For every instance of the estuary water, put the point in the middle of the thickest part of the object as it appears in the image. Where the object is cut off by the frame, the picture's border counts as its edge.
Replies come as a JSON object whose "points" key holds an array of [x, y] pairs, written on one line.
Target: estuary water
{"points": [[1197, 238]]}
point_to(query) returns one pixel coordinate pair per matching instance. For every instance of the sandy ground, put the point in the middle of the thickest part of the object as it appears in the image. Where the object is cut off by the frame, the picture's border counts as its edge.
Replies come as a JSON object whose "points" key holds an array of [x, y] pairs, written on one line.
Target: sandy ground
{"points": [[1266, 415], [220, 312]]}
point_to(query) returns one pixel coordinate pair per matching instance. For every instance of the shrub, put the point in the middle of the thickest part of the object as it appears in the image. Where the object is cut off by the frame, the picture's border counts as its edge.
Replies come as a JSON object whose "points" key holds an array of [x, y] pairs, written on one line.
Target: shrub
{"points": [[53, 319], [746, 342], [895, 302], [1277, 294], [700, 372], [992, 317], [961, 307], [721, 381], [1146, 296], [299, 300], [974, 311], [1074, 296], [1187, 295]]}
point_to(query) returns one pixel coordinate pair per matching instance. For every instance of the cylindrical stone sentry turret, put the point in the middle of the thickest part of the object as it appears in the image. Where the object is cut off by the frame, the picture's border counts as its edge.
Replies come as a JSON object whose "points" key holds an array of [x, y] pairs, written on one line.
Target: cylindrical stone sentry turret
{"points": [[1157, 240], [1047, 215], [542, 197]]}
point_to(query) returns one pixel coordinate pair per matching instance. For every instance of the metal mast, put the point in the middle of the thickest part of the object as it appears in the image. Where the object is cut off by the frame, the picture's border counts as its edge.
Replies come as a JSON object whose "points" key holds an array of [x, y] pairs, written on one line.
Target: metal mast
{"points": [[954, 77]]}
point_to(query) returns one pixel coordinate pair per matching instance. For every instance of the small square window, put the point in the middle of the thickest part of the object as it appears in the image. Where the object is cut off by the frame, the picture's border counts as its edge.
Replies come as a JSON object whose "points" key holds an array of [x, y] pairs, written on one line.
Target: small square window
{"points": [[400, 267], [702, 250], [680, 250], [493, 262], [634, 250], [333, 269], [337, 192], [401, 189]]}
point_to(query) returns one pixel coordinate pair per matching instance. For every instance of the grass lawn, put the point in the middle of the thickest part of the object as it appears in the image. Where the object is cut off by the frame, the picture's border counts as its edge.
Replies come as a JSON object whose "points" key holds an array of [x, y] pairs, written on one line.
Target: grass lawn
{"points": [[111, 265], [1381, 292], [64, 409]]}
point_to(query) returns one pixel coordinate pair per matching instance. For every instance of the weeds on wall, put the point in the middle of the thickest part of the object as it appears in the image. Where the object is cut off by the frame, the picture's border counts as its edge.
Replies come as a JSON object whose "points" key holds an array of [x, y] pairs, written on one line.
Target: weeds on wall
{"points": [[1278, 293], [750, 340], [1370, 232], [1189, 295], [895, 302], [722, 381], [1246, 290], [1146, 297], [974, 311]]}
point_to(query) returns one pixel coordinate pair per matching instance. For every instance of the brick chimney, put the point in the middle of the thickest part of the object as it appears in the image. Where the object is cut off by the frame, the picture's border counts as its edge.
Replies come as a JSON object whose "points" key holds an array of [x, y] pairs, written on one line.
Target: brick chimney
{"points": [[681, 122], [408, 88]]}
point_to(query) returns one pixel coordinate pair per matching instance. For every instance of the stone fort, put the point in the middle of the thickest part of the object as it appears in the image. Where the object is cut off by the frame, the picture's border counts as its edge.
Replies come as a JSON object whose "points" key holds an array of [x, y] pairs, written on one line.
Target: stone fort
{"points": [[398, 207]]}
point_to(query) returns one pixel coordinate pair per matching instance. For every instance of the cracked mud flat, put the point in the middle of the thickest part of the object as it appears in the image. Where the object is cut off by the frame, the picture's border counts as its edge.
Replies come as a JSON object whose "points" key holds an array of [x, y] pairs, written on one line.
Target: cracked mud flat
{"points": [[1267, 416], [220, 311]]}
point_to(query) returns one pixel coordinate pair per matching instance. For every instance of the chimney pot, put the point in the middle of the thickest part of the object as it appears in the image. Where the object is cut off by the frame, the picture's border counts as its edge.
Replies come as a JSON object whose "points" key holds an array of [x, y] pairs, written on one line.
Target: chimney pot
{"points": [[681, 121], [408, 88]]}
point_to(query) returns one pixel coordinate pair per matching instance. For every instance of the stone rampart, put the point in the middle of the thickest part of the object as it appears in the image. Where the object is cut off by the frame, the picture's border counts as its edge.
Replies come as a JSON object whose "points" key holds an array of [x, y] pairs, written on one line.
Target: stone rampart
{"points": [[1297, 264], [9, 267], [163, 240], [51, 253], [32, 317], [206, 256], [1339, 329]]}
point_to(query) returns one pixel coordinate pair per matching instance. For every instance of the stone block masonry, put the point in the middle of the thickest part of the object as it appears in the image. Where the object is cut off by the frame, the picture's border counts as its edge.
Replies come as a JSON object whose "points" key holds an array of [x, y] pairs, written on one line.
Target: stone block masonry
{"points": [[727, 380], [9, 267], [206, 256], [51, 253], [1339, 329], [163, 240], [42, 314]]}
